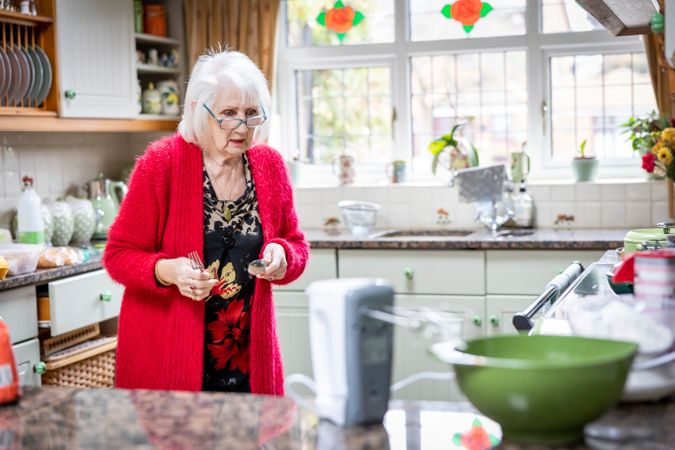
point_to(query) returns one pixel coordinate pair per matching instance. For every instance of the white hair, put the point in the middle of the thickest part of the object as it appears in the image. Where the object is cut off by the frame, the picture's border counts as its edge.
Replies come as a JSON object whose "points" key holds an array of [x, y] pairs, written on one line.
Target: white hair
{"points": [[213, 71]]}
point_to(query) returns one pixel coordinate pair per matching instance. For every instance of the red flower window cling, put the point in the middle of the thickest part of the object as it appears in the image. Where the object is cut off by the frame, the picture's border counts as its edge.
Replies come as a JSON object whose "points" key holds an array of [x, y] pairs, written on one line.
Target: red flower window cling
{"points": [[467, 12], [340, 19]]}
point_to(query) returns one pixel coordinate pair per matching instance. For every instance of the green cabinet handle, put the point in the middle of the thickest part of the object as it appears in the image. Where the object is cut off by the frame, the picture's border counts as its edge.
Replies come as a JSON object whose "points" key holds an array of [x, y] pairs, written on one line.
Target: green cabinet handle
{"points": [[477, 321], [70, 94], [106, 296], [40, 368], [409, 273], [494, 321]]}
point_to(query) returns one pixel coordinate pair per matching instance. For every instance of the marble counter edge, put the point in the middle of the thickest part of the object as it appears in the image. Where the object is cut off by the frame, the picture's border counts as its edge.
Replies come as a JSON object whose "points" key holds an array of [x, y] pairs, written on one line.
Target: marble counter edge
{"points": [[46, 275]]}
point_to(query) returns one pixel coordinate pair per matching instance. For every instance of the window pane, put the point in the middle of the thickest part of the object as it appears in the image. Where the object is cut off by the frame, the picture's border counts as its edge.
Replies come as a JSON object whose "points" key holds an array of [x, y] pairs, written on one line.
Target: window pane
{"points": [[344, 111], [428, 23], [377, 25], [591, 95], [563, 16], [483, 89]]}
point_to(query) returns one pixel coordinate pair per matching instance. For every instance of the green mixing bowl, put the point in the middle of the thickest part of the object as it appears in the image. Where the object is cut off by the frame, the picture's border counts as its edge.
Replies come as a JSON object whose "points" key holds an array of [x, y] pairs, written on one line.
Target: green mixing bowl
{"points": [[541, 389]]}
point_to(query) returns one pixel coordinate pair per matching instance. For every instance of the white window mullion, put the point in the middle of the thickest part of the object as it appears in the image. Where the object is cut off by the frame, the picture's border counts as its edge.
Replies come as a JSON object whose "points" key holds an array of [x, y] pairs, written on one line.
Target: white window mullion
{"points": [[536, 87], [401, 96]]}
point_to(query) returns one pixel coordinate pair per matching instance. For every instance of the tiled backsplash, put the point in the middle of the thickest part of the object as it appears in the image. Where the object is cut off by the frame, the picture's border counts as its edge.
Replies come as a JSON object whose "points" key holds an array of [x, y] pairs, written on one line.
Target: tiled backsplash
{"points": [[61, 163], [602, 205]]}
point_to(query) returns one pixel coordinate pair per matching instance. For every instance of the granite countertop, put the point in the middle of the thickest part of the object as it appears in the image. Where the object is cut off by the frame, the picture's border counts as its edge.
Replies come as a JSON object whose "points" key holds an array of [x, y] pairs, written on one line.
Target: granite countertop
{"points": [[46, 275], [67, 418], [539, 239], [441, 239]]}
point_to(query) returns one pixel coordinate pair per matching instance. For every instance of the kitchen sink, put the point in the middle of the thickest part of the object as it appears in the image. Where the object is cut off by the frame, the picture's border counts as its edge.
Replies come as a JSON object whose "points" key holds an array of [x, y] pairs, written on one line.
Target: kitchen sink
{"points": [[515, 233], [421, 233]]}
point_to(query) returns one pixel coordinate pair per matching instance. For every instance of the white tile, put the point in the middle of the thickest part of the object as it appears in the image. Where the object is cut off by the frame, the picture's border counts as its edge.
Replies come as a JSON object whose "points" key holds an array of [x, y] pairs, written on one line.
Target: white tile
{"points": [[2, 185], [42, 182], [377, 195], [463, 216], [10, 158], [422, 215], [55, 182], [566, 208], [540, 193], [613, 215], [639, 214], [310, 216], [659, 212], [639, 191], [587, 215], [330, 196], [353, 193], [308, 196], [444, 197], [563, 193], [543, 216], [659, 190], [613, 192], [401, 194], [587, 192], [12, 183], [398, 217]]}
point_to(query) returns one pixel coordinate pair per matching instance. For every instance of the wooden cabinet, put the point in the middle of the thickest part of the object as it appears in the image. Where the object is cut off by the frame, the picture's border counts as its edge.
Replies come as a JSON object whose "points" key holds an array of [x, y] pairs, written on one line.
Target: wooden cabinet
{"points": [[95, 43], [499, 312], [18, 308], [26, 357]]}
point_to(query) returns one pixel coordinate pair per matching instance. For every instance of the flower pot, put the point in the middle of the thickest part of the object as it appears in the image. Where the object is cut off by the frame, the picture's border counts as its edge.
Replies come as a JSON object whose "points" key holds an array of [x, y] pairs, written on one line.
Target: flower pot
{"points": [[584, 168]]}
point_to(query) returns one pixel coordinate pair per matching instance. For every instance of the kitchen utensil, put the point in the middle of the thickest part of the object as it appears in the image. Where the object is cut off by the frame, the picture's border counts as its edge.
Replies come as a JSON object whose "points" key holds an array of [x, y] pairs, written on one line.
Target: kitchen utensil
{"points": [[22, 258], [520, 166], [351, 353], [648, 238], [47, 79], [618, 288], [84, 219], [196, 261], [540, 389], [101, 192], [38, 74], [360, 217], [25, 78], [6, 78], [480, 184], [16, 78], [31, 74], [256, 267]]}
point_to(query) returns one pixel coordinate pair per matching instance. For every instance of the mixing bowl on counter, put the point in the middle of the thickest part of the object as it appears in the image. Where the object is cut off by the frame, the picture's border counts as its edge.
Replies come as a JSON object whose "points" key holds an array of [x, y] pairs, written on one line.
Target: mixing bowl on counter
{"points": [[540, 389]]}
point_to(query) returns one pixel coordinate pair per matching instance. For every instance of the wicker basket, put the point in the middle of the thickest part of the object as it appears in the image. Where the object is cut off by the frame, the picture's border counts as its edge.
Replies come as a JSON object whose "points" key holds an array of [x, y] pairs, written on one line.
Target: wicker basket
{"points": [[89, 366], [62, 341]]}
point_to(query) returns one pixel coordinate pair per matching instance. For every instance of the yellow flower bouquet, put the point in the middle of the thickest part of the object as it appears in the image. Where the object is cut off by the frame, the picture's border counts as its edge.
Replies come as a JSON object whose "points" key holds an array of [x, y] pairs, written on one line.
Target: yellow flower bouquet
{"points": [[659, 160]]}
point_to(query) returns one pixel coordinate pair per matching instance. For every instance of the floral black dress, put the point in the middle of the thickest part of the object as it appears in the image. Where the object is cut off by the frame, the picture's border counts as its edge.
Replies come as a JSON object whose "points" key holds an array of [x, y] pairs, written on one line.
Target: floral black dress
{"points": [[232, 239]]}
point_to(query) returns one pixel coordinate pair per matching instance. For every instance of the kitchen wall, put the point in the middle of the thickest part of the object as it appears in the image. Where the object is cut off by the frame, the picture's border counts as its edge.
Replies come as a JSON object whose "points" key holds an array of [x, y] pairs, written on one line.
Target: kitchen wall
{"points": [[600, 205], [61, 163]]}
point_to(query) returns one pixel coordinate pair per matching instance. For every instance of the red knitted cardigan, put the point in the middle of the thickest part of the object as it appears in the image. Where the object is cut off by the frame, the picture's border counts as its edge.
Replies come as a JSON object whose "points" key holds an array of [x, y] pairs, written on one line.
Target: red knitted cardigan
{"points": [[161, 333]]}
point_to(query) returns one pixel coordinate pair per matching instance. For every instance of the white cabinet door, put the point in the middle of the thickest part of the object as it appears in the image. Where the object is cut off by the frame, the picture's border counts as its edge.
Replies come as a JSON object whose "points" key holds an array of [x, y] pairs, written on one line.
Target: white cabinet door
{"points": [[499, 311], [322, 265], [95, 44], [18, 308], [517, 272], [26, 356], [292, 316], [410, 348], [460, 272], [82, 300]]}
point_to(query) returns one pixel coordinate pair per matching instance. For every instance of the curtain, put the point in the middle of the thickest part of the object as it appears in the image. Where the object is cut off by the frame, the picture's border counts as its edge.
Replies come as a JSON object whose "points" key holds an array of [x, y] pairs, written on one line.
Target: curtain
{"points": [[248, 26]]}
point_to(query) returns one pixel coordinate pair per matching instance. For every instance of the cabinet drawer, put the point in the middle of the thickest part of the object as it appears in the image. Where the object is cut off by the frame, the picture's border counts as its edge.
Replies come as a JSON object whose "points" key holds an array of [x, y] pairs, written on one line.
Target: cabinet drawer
{"points": [[26, 356], [18, 307], [457, 272], [322, 265], [82, 300], [529, 271]]}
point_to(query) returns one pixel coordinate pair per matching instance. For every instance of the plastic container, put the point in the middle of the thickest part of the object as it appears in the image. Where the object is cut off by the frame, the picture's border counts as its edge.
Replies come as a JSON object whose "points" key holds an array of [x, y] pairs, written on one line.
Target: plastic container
{"points": [[360, 217], [31, 228], [22, 258]]}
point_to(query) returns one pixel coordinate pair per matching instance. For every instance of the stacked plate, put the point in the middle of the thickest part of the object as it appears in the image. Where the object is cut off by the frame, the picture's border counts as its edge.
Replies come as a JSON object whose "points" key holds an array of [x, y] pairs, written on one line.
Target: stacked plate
{"points": [[25, 75]]}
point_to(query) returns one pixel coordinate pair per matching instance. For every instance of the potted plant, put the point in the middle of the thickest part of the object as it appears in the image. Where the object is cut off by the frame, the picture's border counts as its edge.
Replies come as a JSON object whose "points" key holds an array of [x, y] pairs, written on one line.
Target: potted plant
{"points": [[584, 166], [452, 152], [643, 134]]}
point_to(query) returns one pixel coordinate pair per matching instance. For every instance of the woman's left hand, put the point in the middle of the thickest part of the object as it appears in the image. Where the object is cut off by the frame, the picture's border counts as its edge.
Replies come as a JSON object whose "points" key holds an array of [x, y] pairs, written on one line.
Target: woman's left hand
{"points": [[274, 256]]}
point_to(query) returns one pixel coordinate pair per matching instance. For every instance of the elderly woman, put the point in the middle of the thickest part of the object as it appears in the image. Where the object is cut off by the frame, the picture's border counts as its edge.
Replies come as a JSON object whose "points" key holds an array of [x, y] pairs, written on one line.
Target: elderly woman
{"points": [[207, 189]]}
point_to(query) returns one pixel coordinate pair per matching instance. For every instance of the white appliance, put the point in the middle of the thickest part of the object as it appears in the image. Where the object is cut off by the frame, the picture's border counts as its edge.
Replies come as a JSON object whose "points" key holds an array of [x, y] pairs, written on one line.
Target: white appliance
{"points": [[351, 352]]}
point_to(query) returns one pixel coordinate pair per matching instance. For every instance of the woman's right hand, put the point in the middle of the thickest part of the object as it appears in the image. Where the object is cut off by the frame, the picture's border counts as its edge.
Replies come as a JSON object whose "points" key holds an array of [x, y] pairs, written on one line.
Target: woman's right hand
{"points": [[192, 283]]}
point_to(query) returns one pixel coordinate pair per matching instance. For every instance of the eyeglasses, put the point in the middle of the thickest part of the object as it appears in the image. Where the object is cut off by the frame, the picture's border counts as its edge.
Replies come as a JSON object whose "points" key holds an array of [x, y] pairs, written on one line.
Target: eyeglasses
{"points": [[232, 123]]}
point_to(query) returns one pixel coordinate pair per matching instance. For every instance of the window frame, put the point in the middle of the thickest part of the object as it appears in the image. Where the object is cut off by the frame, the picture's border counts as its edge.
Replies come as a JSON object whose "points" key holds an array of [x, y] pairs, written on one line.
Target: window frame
{"points": [[537, 46]]}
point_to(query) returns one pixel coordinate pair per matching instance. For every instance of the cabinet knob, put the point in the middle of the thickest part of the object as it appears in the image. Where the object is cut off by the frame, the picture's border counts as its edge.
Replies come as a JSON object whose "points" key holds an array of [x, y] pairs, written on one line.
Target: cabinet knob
{"points": [[70, 94], [40, 368], [477, 321], [409, 273], [106, 296], [494, 321]]}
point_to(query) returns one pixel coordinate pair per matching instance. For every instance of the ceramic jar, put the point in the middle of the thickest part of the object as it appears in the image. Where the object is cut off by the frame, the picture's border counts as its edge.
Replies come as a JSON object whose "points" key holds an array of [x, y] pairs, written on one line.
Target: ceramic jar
{"points": [[84, 219], [152, 101], [64, 222], [168, 91], [345, 170]]}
